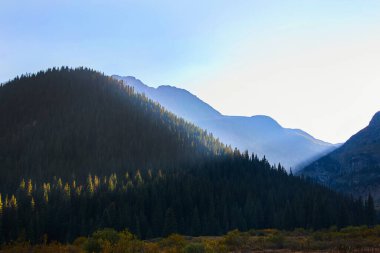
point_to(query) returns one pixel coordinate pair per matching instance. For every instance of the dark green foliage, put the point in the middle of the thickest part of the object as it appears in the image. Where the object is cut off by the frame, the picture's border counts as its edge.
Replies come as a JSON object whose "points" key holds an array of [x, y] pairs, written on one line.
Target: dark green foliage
{"points": [[95, 155], [349, 239], [70, 123], [370, 211], [169, 202], [194, 248]]}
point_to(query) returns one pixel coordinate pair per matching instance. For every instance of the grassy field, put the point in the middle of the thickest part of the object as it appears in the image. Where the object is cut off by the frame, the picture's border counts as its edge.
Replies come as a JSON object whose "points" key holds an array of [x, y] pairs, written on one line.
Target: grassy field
{"points": [[350, 239]]}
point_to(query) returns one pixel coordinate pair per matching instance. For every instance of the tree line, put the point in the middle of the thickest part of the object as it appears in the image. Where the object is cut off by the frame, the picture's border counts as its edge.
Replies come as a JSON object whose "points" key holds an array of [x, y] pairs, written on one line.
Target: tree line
{"points": [[236, 192]]}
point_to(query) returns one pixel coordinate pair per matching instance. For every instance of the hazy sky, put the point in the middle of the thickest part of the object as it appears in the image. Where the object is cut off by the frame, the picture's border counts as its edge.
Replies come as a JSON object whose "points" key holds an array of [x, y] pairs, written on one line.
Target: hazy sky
{"points": [[313, 65]]}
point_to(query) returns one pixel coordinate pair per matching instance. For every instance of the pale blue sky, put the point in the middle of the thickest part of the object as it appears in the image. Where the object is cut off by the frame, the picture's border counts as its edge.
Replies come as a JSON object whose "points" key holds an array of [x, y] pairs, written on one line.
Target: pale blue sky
{"points": [[313, 65]]}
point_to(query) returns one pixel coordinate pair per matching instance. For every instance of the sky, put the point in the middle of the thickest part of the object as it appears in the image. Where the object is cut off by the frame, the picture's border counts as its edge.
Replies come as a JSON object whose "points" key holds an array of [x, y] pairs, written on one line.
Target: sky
{"points": [[309, 64]]}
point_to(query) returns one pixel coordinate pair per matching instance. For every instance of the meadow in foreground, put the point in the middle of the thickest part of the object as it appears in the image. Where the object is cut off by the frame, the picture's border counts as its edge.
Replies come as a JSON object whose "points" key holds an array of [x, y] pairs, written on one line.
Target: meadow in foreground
{"points": [[349, 239]]}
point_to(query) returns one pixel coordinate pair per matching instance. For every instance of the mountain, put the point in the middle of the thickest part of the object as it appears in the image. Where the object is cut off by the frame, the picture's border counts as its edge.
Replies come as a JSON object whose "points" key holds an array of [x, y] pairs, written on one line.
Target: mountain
{"points": [[179, 101], [74, 122], [353, 168], [81, 151], [259, 134]]}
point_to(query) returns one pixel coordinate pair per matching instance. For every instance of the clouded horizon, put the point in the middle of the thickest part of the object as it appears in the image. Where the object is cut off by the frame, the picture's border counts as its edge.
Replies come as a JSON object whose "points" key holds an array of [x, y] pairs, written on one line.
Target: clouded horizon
{"points": [[312, 65]]}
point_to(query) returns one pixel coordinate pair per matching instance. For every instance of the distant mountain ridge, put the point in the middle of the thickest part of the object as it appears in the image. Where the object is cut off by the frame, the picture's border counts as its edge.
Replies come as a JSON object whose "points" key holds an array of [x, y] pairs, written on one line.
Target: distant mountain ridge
{"points": [[353, 168], [259, 134], [178, 101]]}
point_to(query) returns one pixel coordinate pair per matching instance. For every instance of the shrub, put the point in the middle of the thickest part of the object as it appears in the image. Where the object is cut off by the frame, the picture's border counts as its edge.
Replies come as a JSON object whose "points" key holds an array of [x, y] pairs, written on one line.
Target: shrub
{"points": [[235, 240], [174, 242], [80, 241], [194, 248], [92, 246], [277, 240], [214, 246], [107, 234]]}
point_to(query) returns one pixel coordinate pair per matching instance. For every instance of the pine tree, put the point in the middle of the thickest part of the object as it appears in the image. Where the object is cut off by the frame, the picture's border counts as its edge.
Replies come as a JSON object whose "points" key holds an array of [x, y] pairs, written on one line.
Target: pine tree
{"points": [[90, 185], [22, 184], [46, 190], [67, 191], [138, 177], [195, 223], [60, 184], [170, 224], [370, 211], [13, 202], [112, 182], [29, 188], [1, 221], [1, 206], [32, 203]]}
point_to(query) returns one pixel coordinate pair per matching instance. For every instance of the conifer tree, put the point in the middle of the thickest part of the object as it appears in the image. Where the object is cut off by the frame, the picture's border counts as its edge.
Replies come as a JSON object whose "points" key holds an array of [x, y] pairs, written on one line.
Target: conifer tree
{"points": [[22, 185], [170, 224], [67, 191], [32, 203], [13, 202], [370, 211], [90, 185], [195, 223], [1, 206], [29, 188]]}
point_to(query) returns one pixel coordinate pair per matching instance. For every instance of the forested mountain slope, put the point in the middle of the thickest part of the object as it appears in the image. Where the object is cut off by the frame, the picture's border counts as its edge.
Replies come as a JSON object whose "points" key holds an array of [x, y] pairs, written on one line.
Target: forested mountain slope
{"points": [[73, 122], [353, 168], [80, 151]]}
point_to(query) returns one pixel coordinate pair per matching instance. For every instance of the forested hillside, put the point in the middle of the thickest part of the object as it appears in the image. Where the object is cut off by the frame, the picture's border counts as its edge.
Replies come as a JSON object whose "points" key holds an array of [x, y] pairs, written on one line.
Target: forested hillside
{"points": [[70, 123], [79, 151], [354, 167]]}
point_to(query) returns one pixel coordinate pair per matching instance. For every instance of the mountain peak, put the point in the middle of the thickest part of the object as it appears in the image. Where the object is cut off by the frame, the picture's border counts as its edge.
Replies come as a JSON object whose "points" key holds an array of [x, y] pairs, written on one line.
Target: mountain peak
{"points": [[132, 81], [173, 88], [264, 119], [260, 116], [127, 79], [179, 101], [375, 119]]}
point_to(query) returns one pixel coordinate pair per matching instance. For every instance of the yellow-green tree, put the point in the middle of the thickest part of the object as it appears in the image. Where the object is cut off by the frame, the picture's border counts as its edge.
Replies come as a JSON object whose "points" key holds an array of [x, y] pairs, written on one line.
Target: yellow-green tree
{"points": [[1, 206], [22, 184], [29, 189], [67, 191], [13, 202]]}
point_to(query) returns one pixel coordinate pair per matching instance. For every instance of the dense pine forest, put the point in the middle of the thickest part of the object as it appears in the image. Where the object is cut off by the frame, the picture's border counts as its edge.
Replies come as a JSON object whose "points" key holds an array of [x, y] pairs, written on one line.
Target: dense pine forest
{"points": [[70, 123], [80, 151]]}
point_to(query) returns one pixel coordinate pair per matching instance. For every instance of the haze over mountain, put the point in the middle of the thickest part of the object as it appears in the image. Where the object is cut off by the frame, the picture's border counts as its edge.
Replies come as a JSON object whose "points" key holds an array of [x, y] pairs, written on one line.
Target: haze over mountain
{"points": [[354, 167], [259, 134]]}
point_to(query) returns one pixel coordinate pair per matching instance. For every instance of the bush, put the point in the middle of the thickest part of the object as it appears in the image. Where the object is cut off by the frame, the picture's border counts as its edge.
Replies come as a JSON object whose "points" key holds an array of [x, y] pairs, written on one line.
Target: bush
{"points": [[214, 246], [194, 248], [107, 234], [254, 232], [235, 240], [300, 232], [277, 241], [174, 242], [80, 241], [92, 246]]}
